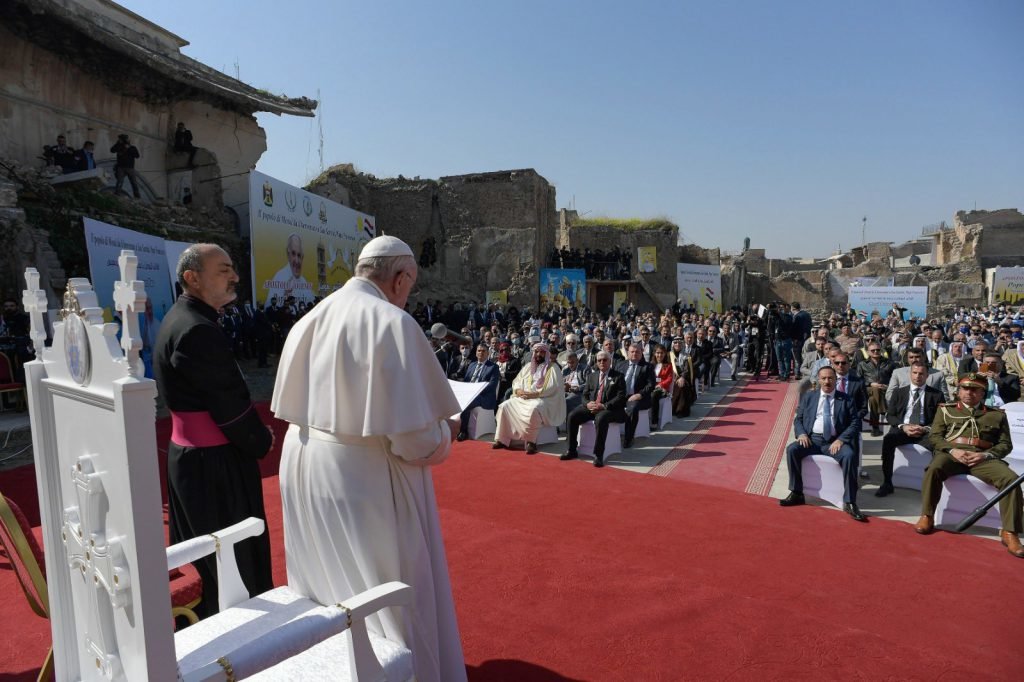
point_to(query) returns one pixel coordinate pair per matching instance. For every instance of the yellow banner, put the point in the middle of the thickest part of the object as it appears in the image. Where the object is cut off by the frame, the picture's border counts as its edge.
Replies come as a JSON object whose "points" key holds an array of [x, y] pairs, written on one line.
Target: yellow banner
{"points": [[497, 297], [618, 298], [647, 258], [303, 245]]}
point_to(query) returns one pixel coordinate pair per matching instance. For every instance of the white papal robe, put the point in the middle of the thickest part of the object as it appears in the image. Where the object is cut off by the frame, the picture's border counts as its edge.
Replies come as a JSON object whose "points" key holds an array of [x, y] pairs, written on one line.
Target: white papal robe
{"points": [[521, 418], [367, 402]]}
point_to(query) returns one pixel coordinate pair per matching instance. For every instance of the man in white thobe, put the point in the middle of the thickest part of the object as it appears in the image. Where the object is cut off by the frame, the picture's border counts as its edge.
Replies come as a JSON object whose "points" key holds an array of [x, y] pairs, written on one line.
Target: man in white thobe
{"points": [[538, 399], [368, 404]]}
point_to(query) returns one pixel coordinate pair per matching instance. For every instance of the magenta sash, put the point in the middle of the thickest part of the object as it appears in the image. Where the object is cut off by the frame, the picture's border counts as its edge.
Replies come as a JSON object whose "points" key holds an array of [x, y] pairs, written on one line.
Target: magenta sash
{"points": [[196, 430]]}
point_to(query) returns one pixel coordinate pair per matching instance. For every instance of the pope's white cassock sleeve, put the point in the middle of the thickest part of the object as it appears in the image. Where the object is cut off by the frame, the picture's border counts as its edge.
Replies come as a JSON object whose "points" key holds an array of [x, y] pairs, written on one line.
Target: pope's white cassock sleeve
{"points": [[367, 402]]}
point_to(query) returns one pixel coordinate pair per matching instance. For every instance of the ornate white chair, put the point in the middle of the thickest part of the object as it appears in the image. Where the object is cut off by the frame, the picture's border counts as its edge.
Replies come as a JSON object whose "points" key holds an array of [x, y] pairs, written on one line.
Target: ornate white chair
{"points": [[93, 418], [547, 435], [823, 478]]}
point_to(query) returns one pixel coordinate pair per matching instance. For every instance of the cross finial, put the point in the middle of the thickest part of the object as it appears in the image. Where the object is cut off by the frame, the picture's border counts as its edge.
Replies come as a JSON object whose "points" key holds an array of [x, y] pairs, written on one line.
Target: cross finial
{"points": [[34, 301], [130, 300]]}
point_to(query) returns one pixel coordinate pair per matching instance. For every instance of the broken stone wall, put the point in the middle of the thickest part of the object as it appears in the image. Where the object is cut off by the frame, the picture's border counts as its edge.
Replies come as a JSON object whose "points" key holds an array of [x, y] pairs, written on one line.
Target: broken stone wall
{"points": [[491, 229], [45, 95]]}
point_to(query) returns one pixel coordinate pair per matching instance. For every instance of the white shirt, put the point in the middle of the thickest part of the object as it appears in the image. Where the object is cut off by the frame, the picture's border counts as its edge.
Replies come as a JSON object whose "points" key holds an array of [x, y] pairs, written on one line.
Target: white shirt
{"points": [[910, 402], [819, 425]]}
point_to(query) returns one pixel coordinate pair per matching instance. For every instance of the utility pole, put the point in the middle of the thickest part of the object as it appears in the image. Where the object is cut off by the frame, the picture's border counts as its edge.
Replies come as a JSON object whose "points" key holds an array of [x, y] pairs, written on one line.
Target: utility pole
{"points": [[863, 234]]}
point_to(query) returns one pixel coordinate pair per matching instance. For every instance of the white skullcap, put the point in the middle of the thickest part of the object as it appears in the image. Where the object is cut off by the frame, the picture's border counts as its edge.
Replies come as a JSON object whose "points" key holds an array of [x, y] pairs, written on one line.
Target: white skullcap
{"points": [[385, 246]]}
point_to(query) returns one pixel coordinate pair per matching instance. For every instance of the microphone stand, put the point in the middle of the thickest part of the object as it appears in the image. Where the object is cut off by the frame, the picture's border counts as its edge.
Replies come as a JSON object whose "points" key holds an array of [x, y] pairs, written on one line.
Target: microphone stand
{"points": [[975, 515]]}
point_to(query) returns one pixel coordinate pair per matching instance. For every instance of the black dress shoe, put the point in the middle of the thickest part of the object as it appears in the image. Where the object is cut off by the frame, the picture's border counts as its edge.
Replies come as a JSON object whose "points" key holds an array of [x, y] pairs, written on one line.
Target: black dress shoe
{"points": [[462, 436], [793, 500], [854, 512], [875, 431], [599, 461], [531, 448], [627, 443], [572, 454], [498, 445], [885, 489]]}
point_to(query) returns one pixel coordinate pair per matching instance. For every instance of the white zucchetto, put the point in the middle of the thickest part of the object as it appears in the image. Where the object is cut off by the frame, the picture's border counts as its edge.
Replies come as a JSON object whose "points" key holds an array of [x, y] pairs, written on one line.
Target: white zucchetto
{"points": [[385, 246]]}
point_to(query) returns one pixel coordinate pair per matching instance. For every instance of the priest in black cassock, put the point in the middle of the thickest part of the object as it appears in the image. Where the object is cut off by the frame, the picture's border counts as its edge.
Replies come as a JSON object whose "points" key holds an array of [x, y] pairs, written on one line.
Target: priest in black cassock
{"points": [[217, 438]]}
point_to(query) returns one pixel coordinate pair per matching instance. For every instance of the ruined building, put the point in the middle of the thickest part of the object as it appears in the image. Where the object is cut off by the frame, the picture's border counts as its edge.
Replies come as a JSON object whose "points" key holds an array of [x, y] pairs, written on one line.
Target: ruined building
{"points": [[494, 231], [91, 70]]}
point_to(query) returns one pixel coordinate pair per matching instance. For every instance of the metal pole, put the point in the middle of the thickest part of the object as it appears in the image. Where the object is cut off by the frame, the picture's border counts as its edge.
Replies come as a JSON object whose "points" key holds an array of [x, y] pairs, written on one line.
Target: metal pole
{"points": [[973, 517]]}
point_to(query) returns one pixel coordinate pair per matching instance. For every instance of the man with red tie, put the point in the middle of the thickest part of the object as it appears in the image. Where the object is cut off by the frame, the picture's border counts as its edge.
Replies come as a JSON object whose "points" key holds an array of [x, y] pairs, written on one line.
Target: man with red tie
{"points": [[604, 401]]}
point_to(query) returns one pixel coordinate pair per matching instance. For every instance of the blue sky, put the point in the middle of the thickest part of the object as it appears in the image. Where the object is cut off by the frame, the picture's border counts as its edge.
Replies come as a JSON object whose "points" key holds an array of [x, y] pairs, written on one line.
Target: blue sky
{"points": [[786, 122]]}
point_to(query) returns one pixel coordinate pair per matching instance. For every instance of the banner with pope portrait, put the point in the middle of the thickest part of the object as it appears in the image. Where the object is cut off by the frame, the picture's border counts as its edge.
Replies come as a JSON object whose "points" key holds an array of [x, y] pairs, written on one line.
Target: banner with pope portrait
{"points": [[1007, 286], [303, 245]]}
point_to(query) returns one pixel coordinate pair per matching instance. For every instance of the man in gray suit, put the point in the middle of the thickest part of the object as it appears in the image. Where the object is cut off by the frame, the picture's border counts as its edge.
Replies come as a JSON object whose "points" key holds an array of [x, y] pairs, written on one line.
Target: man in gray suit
{"points": [[901, 376]]}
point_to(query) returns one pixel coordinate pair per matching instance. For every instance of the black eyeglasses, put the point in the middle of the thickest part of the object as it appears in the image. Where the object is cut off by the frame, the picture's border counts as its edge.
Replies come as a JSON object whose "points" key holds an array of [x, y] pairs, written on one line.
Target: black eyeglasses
{"points": [[840, 363]]}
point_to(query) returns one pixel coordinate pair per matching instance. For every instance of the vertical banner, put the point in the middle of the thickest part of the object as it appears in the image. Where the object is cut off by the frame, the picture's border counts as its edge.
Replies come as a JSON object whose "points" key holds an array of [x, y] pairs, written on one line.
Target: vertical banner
{"points": [[104, 243], [647, 258], [303, 246], [173, 250], [870, 300], [563, 287], [618, 298], [497, 297], [699, 286], [1008, 286]]}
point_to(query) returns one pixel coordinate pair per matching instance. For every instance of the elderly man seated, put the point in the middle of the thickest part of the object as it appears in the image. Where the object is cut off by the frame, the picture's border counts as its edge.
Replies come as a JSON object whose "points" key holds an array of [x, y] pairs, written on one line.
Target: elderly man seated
{"points": [[538, 399]]}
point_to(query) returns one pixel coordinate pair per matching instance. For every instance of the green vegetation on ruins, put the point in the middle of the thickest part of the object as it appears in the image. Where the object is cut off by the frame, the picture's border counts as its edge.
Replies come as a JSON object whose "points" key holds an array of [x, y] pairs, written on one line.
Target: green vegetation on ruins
{"points": [[659, 223]]}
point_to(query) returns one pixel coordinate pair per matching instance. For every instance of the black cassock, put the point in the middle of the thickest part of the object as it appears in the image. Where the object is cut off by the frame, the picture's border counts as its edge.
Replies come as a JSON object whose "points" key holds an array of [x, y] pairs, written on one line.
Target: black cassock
{"points": [[210, 488]]}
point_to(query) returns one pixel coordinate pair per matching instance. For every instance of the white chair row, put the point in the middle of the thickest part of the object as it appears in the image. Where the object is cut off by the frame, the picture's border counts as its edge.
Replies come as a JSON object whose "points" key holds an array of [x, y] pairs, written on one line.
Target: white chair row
{"points": [[482, 422]]}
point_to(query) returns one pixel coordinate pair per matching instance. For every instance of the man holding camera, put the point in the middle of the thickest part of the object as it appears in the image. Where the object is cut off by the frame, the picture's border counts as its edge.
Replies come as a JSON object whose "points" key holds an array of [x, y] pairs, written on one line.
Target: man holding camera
{"points": [[124, 166]]}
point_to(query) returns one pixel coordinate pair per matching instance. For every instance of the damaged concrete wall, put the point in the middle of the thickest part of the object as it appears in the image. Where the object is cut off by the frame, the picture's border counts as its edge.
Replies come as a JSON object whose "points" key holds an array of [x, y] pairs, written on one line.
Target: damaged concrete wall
{"points": [[491, 229]]}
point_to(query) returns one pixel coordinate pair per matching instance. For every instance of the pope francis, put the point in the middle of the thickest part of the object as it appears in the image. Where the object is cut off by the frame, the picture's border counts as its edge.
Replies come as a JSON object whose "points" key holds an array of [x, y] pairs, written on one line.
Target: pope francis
{"points": [[368, 407]]}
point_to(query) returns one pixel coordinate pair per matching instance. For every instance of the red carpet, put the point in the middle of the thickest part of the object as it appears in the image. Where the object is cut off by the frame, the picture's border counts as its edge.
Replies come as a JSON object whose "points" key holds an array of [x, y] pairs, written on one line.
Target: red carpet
{"points": [[739, 443], [566, 572]]}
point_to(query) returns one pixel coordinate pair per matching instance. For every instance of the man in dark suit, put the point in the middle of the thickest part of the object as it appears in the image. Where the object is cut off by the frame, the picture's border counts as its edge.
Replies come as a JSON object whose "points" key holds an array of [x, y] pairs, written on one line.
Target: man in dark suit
{"points": [[802, 324], [850, 383], [910, 413], [479, 371], [971, 363], [604, 401], [826, 423], [639, 380]]}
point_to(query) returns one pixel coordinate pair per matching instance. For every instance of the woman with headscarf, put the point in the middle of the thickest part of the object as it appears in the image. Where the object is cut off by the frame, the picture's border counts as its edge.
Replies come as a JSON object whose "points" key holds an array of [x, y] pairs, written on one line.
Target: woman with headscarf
{"points": [[538, 399]]}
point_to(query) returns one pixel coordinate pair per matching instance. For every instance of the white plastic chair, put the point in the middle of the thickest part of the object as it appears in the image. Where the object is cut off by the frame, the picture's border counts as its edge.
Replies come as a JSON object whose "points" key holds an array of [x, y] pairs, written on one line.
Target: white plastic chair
{"points": [[961, 495], [643, 424], [481, 422], [665, 412], [823, 478], [588, 437], [1015, 415], [908, 465], [724, 370], [547, 435]]}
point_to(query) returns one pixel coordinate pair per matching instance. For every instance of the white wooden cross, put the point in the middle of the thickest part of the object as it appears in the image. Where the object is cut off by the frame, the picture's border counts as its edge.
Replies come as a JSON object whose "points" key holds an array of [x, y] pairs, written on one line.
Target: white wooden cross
{"points": [[34, 301], [130, 300]]}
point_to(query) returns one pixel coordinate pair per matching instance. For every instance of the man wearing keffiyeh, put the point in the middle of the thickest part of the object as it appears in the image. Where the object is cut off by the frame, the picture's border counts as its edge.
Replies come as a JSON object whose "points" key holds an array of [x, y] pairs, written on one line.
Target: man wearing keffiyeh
{"points": [[538, 399]]}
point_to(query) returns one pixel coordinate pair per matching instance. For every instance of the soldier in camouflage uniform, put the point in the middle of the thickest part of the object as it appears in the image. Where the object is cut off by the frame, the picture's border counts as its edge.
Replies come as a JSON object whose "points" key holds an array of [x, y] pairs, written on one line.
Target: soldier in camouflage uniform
{"points": [[969, 438]]}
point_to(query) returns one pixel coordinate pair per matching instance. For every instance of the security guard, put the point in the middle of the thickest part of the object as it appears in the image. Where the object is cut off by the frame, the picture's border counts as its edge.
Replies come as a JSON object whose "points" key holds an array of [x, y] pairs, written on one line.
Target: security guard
{"points": [[969, 438]]}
